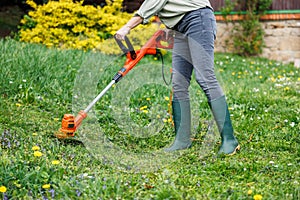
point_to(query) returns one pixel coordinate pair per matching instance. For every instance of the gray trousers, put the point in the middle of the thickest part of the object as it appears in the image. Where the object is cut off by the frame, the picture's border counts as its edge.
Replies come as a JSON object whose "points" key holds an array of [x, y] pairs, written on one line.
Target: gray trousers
{"points": [[194, 50]]}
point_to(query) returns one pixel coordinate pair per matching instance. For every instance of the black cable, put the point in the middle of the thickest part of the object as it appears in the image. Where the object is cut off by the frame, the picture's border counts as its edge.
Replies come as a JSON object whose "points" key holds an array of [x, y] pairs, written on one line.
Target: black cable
{"points": [[163, 68]]}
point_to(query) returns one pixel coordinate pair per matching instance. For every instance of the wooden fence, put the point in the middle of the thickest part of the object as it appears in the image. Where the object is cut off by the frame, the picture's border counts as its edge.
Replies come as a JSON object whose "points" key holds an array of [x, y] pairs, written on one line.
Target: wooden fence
{"points": [[132, 5], [276, 5]]}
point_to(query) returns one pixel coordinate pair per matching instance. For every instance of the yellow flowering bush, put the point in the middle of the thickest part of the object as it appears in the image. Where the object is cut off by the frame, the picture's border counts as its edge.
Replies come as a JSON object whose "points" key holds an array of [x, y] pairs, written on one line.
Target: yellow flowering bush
{"points": [[67, 24], [71, 25]]}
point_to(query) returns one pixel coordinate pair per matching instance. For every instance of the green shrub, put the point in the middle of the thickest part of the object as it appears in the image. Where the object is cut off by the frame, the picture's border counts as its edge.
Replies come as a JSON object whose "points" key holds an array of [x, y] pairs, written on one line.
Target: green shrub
{"points": [[248, 33], [248, 36]]}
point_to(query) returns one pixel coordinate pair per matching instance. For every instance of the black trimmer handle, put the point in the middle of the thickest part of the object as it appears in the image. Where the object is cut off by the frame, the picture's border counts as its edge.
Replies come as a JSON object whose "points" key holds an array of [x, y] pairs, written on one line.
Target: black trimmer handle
{"points": [[127, 49]]}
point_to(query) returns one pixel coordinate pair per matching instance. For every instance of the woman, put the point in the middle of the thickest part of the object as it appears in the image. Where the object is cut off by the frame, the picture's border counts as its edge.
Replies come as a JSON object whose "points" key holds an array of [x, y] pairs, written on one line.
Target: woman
{"points": [[195, 31]]}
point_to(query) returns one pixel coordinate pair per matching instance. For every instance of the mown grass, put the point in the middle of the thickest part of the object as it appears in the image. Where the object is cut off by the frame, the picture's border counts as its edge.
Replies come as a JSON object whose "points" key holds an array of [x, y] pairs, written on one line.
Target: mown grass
{"points": [[37, 88]]}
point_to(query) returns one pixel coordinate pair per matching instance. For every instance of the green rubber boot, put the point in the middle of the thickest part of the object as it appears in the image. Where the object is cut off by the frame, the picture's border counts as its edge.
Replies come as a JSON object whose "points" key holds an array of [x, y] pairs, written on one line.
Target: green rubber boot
{"points": [[221, 114], [182, 123]]}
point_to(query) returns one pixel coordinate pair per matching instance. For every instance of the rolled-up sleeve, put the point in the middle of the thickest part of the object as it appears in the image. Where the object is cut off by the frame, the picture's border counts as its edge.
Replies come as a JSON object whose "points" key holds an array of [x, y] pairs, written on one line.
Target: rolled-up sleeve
{"points": [[150, 8]]}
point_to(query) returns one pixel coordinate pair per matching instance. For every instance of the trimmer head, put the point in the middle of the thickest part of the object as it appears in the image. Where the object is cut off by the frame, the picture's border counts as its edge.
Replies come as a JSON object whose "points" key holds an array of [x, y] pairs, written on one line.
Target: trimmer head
{"points": [[68, 127]]}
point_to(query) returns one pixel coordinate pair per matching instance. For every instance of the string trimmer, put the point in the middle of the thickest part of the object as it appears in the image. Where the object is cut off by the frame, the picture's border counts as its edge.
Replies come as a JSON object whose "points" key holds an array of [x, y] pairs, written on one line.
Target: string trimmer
{"points": [[70, 123]]}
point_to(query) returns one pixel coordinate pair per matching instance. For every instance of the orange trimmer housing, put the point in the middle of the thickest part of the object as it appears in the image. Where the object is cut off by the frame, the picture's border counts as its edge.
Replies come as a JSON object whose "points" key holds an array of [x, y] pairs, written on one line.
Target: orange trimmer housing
{"points": [[70, 123]]}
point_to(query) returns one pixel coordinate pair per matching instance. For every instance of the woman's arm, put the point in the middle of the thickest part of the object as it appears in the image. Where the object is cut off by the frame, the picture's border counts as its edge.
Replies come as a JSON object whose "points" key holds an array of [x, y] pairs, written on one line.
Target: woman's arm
{"points": [[132, 23]]}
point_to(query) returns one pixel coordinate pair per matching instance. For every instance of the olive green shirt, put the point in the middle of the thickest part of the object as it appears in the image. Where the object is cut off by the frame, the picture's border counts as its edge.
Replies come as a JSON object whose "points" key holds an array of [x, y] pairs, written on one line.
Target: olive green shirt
{"points": [[170, 12]]}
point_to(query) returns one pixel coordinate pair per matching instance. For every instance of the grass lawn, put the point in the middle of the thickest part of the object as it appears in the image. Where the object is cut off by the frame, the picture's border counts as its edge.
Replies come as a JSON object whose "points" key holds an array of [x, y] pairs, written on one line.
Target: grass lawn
{"points": [[116, 153]]}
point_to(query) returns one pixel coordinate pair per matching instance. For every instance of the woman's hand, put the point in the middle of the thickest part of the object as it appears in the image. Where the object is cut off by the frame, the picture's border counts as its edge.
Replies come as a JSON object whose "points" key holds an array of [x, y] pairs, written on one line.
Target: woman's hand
{"points": [[122, 32], [169, 34], [132, 23]]}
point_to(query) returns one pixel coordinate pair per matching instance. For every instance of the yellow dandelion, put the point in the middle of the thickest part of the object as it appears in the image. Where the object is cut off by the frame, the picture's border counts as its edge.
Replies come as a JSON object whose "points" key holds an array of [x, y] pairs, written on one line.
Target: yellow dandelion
{"points": [[37, 154], [148, 99], [35, 148], [46, 186], [286, 89], [167, 98], [164, 120], [170, 120], [143, 107], [145, 111], [273, 79], [299, 79], [55, 162], [158, 116], [260, 77], [249, 192], [34, 134], [257, 197], [18, 104], [233, 73], [3, 189]]}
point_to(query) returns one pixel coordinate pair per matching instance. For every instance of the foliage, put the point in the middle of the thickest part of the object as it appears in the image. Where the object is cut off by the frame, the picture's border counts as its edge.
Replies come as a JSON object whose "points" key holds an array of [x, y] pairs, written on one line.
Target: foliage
{"points": [[228, 8], [248, 34], [67, 24], [37, 89]]}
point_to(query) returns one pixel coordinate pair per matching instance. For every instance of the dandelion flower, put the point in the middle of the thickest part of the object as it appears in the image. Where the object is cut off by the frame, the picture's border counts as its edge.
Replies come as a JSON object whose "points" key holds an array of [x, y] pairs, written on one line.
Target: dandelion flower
{"points": [[37, 154], [145, 111], [148, 99], [46, 186], [3, 189], [35, 148], [167, 98], [249, 192], [257, 197], [143, 107], [34, 134], [55, 162], [18, 104]]}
